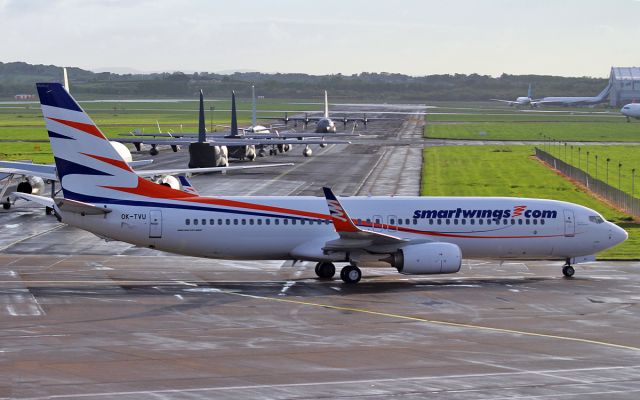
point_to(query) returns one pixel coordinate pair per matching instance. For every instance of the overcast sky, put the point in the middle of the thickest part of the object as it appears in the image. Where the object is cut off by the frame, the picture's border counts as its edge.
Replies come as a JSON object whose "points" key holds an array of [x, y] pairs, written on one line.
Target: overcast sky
{"points": [[417, 37]]}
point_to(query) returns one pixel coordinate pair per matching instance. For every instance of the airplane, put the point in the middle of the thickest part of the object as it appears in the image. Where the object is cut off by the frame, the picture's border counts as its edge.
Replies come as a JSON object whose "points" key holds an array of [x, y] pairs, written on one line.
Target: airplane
{"points": [[522, 100], [234, 144], [325, 124], [631, 110], [574, 101], [415, 235]]}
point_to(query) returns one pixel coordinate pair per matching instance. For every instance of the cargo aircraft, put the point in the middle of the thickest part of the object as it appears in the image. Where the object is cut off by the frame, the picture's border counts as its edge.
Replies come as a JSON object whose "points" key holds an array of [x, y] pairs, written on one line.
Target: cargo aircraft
{"points": [[415, 235]]}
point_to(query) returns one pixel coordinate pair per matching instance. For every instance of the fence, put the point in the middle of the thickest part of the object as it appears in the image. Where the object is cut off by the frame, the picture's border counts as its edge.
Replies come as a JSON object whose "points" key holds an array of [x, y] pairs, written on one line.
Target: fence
{"points": [[620, 199]]}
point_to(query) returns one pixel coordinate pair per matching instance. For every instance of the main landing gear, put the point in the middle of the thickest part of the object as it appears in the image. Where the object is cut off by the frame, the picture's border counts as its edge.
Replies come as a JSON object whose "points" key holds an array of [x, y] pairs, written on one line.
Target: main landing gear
{"points": [[568, 270], [349, 274]]}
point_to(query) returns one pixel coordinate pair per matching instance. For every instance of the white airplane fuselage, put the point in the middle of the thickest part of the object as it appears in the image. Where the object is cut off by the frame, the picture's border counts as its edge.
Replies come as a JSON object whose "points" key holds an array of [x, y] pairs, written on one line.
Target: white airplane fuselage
{"points": [[282, 228], [631, 110]]}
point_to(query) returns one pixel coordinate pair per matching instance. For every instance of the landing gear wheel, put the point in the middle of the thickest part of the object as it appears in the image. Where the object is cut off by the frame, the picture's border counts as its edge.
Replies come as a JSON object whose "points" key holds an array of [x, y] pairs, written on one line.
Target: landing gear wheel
{"points": [[6, 205], [351, 274], [48, 210], [568, 271], [325, 270]]}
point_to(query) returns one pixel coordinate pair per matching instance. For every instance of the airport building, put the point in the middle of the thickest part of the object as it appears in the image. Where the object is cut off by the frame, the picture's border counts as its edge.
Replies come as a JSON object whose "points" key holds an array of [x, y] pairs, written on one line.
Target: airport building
{"points": [[625, 85]]}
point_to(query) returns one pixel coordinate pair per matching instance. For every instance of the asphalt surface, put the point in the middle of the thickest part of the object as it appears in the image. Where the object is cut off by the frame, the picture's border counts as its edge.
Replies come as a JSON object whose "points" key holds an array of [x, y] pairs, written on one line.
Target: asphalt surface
{"points": [[83, 318]]}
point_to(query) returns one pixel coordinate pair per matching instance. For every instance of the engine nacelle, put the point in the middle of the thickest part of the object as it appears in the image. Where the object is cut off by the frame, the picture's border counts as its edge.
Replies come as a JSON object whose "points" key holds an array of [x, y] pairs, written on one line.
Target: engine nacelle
{"points": [[307, 152], [170, 181], [31, 185], [123, 151], [428, 258]]}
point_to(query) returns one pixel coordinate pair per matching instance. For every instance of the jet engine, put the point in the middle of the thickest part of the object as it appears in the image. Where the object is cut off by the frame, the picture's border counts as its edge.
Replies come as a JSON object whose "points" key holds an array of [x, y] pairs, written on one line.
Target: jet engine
{"points": [[170, 181], [307, 151], [31, 185], [123, 151], [427, 258]]}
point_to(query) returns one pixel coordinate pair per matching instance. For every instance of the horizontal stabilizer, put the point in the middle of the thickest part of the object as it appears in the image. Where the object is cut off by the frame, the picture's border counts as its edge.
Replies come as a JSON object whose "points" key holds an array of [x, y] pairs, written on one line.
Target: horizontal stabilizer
{"points": [[79, 207], [43, 201]]}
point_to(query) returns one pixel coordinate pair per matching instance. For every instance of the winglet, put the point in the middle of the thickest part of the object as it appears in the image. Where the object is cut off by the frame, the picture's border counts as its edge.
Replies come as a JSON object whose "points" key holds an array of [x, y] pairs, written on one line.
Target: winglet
{"points": [[341, 220], [186, 185]]}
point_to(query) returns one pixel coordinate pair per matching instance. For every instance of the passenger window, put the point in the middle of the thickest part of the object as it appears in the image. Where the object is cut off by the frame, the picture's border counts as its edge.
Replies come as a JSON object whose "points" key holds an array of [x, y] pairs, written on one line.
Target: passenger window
{"points": [[219, 221], [415, 222], [464, 221], [285, 221], [204, 221], [187, 221], [267, 222], [301, 222], [244, 221], [251, 221], [505, 222], [392, 221], [513, 221], [430, 221], [480, 222], [276, 221], [541, 222], [473, 222], [455, 221], [448, 221], [228, 221], [439, 222], [519, 222], [293, 222], [259, 222], [488, 222], [527, 222], [535, 222], [235, 221], [195, 221]]}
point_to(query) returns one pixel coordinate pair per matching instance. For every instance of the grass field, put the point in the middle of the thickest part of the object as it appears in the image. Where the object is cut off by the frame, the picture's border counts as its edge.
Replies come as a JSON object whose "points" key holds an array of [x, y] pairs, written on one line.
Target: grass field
{"points": [[564, 131], [511, 171], [628, 156]]}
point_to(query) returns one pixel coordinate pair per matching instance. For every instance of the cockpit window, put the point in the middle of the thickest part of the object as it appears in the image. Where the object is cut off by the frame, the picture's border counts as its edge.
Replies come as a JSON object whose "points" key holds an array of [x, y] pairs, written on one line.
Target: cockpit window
{"points": [[596, 219]]}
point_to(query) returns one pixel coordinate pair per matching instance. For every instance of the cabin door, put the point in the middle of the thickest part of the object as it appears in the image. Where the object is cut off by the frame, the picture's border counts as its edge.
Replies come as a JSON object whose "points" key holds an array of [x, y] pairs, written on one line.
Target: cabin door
{"points": [[155, 224], [569, 223]]}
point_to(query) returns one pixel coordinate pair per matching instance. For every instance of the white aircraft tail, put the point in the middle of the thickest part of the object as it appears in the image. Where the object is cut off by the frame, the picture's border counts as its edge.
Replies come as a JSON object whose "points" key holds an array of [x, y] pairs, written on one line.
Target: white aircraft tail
{"points": [[254, 119], [89, 167], [530, 92], [326, 105], [66, 79]]}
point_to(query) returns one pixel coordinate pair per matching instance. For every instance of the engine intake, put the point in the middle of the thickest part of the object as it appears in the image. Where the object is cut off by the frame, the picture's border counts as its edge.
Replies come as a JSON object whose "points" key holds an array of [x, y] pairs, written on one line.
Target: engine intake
{"points": [[427, 258]]}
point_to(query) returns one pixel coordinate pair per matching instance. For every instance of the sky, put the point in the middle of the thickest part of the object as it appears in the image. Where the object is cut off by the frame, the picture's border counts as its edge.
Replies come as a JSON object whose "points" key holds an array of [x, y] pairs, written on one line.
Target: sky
{"points": [[414, 37]]}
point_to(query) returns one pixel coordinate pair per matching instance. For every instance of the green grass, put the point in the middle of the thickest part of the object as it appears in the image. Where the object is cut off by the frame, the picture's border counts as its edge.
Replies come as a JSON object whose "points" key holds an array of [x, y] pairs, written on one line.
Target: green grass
{"points": [[511, 171], [629, 156], [565, 131]]}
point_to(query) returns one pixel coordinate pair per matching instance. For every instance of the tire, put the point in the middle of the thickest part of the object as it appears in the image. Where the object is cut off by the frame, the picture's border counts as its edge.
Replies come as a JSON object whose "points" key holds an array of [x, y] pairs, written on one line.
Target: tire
{"points": [[568, 271], [325, 270], [48, 210], [6, 205], [351, 274]]}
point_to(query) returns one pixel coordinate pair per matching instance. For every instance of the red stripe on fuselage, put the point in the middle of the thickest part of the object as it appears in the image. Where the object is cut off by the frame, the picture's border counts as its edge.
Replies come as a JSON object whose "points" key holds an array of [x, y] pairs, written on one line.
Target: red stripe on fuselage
{"points": [[86, 128]]}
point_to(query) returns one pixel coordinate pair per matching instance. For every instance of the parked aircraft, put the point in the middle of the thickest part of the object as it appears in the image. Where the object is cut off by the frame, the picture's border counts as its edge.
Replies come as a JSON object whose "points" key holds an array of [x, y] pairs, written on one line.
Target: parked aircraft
{"points": [[631, 110], [415, 235], [234, 144], [521, 101], [574, 101], [324, 123]]}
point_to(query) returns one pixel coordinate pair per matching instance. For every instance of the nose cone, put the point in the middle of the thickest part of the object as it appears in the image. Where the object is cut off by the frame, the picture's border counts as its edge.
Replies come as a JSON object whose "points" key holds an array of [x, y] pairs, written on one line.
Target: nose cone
{"points": [[618, 235]]}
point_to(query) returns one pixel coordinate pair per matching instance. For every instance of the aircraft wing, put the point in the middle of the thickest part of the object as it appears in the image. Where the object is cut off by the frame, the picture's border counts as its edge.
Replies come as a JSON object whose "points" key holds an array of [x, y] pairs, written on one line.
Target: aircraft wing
{"points": [[504, 101], [45, 171], [156, 172]]}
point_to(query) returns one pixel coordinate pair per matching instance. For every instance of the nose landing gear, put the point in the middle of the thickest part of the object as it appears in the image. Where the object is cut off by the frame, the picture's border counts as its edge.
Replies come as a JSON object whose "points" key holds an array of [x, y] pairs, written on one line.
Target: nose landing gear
{"points": [[568, 270]]}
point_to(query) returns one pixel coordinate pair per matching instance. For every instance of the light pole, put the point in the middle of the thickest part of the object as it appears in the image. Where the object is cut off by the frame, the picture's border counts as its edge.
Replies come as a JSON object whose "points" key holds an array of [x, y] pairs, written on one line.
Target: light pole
{"points": [[619, 167], [588, 163], [596, 166], [633, 183], [571, 154], [607, 175], [565, 151], [579, 153]]}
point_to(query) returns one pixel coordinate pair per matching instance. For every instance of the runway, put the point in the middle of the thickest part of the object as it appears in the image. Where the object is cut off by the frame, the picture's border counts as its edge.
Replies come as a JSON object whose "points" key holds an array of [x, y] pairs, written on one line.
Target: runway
{"points": [[83, 318]]}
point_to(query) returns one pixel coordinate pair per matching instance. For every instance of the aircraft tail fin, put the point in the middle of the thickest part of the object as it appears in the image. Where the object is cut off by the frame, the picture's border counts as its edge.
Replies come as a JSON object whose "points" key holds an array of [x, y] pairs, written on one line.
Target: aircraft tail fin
{"points": [[530, 92], [90, 169], [326, 105], [254, 119], [66, 79], [234, 115], [202, 130]]}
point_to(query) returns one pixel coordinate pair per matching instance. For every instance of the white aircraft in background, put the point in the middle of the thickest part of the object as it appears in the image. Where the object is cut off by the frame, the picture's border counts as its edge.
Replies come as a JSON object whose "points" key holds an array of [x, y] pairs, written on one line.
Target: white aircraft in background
{"points": [[522, 100], [415, 235], [631, 110], [575, 101]]}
